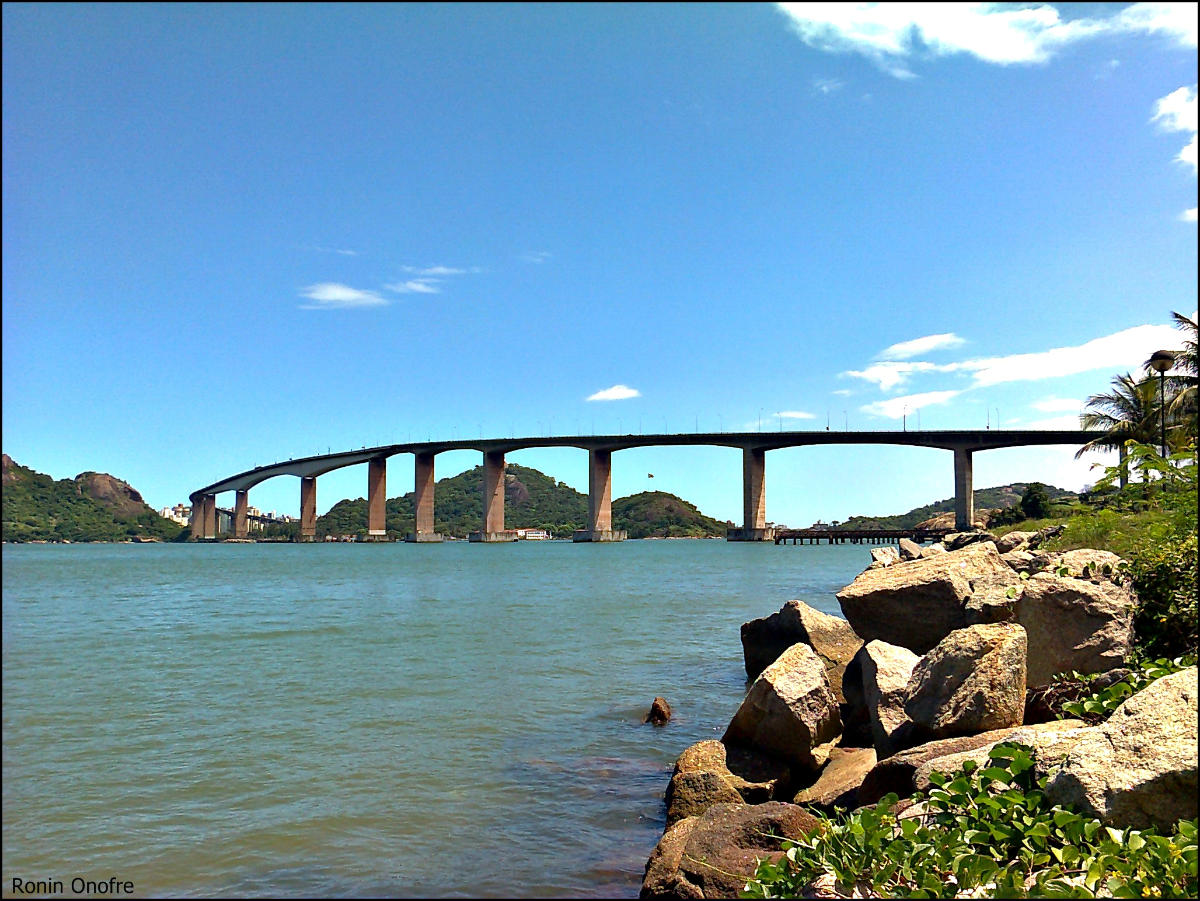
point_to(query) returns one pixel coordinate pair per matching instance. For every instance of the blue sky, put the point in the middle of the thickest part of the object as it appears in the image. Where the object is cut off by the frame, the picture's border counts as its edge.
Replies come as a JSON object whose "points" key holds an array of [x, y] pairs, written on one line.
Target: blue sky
{"points": [[234, 234]]}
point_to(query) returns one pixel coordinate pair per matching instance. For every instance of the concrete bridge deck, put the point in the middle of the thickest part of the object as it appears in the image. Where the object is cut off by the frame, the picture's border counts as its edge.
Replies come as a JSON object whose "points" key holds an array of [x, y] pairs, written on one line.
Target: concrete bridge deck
{"points": [[754, 445]]}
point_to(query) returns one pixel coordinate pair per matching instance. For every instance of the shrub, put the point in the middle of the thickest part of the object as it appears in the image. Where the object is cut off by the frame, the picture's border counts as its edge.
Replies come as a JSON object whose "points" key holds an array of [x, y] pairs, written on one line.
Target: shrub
{"points": [[1164, 577], [984, 832]]}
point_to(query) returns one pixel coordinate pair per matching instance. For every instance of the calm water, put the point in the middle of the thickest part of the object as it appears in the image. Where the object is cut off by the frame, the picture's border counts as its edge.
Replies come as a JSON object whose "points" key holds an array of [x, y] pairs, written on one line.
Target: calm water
{"points": [[404, 720]]}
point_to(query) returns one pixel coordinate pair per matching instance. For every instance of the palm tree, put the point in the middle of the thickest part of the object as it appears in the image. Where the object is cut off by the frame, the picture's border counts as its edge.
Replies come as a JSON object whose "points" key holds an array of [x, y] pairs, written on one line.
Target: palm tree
{"points": [[1182, 407], [1127, 413]]}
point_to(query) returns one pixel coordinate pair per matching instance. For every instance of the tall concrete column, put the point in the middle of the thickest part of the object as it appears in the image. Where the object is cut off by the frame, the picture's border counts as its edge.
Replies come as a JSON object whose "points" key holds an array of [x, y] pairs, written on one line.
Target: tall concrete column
{"points": [[754, 498], [308, 508], [423, 527], [964, 493], [209, 527], [241, 525], [493, 492], [377, 497], [599, 526]]}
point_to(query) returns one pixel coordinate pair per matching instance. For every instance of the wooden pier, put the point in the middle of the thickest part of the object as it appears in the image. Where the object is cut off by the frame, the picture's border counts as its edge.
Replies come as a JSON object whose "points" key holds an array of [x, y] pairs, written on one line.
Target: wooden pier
{"points": [[857, 536]]}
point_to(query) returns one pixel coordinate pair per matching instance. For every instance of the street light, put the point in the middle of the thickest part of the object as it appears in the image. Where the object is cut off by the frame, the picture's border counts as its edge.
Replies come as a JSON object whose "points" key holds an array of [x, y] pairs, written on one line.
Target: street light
{"points": [[1160, 362]]}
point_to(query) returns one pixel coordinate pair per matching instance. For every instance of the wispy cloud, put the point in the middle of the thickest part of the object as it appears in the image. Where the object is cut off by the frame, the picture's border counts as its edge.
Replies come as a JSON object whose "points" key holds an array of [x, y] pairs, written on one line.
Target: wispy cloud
{"points": [[843, 392], [891, 374], [891, 34], [795, 414], [1177, 112], [338, 250], [1065, 422], [616, 392], [334, 296], [1188, 215], [416, 286], [898, 407], [441, 271], [536, 256], [906, 349], [827, 85]]}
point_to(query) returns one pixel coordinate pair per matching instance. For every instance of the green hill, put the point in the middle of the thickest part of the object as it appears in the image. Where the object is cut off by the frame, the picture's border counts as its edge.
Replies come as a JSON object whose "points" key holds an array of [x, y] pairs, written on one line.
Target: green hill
{"points": [[93, 506], [999, 498], [532, 499]]}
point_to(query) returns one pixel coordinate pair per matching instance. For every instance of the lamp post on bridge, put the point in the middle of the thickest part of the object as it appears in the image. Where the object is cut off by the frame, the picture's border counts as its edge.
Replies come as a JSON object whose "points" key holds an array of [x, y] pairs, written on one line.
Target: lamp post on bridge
{"points": [[1160, 362]]}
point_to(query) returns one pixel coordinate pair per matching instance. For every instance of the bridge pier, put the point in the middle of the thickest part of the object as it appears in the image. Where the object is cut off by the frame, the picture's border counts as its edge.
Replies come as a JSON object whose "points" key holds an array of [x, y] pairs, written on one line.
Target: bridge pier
{"points": [[599, 500], [241, 503], [308, 508], [377, 499], [204, 517], [493, 501], [754, 498], [423, 527], [964, 494]]}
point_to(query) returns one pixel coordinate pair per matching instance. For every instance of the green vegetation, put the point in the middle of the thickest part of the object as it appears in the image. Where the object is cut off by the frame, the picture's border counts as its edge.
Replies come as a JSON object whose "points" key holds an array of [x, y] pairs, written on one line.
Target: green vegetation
{"points": [[90, 507], [1002, 497], [532, 500], [1097, 706], [982, 832]]}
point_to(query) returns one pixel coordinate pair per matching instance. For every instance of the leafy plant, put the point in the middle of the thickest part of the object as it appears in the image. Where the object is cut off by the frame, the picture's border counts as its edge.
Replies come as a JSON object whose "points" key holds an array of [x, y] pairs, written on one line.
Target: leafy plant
{"points": [[982, 832], [1099, 705]]}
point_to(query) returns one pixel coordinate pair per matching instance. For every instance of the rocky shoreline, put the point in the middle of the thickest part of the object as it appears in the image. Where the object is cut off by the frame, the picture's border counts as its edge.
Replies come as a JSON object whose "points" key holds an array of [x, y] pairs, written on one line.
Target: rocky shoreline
{"points": [[931, 666]]}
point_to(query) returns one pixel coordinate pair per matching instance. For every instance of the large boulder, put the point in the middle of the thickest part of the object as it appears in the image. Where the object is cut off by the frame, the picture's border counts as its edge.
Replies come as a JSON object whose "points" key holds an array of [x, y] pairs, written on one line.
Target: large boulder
{"points": [[916, 603], [708, 773], [789, 710], [1085, 625], [713, 855], [1050, 742], [763, 640], [884, 556], [909, 549], [837, 786], [973, 681], [1138, 768], [886, 670], [1013, 541]]}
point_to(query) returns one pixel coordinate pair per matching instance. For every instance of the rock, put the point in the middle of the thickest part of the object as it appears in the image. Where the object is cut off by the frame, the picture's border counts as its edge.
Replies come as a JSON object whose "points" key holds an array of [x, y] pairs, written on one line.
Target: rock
{"points": [[1085, 563], [1138, 768], [1043, 535], [1075, 624], [886, 670], [933, 550], [837, 786], [660, 712], [789, 710], [915, 604], [713, 855], [896, 773], [1013, 541], [973, 681], [958, 540], [909, 549], [1019, 561], [763, 640], [1050, 742], [884, 556], [708, 773]]}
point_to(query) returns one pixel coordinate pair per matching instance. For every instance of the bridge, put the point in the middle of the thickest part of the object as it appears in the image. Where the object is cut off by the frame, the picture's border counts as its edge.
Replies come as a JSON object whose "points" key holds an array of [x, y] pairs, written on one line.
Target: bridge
{"points": [[600, 448]]}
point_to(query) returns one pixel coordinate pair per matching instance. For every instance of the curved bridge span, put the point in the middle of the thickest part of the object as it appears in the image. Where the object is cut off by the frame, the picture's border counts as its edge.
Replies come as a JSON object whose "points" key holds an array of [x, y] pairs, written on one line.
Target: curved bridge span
{"points": [[600, 448]]}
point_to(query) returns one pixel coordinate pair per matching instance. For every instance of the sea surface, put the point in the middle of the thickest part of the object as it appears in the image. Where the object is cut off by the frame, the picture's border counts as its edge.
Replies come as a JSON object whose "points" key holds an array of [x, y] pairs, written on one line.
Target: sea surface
{"points": [[346, 720]]}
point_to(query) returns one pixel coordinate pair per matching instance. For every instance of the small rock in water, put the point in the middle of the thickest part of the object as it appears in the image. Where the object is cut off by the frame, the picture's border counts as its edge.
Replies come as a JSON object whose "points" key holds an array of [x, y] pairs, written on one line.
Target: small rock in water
{"points": [[660, 712]]}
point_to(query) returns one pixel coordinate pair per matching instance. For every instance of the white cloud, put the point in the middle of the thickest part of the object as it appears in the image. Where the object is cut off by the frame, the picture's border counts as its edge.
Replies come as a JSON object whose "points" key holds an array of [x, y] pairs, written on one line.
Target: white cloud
{"points": [[333, 296], [1058, 405], [1128, 349], [337, 250], [891, 33], [535, 256], [897, 407], [827, 85], [1188, 215], [616, 392], [795, 414], [1066, 422], [892, 374], [843, 392], [416, 286], [906, 349], [1177, 112]]}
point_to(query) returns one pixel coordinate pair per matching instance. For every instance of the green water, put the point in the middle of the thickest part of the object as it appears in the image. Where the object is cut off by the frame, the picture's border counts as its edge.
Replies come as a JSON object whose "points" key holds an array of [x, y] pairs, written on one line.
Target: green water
{"points": [[401, 720]]}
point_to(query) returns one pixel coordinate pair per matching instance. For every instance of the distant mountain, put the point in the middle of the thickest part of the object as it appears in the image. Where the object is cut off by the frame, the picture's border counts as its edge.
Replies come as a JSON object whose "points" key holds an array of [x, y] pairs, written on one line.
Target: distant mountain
{"points": [[532, 499], [985, 499], [93, 506]]}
